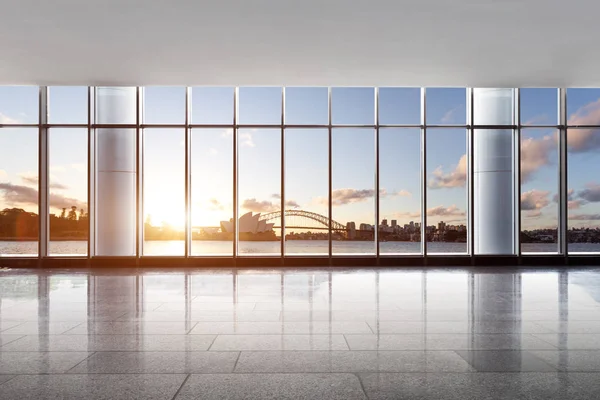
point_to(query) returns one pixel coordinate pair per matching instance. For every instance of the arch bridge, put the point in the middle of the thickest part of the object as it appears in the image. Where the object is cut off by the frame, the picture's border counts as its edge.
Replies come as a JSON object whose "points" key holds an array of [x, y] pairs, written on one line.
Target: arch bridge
{"points": [[304, 219]]}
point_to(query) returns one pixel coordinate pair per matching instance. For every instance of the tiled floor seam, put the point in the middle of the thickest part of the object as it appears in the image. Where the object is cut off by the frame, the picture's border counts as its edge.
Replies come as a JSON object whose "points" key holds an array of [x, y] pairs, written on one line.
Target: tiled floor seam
{"points": [[8, 380], [362, 386], [192, 328], [70, 329], [85, 359], [181, 386], [543, 340], [14, 340], [213, 342], [236, 362]]}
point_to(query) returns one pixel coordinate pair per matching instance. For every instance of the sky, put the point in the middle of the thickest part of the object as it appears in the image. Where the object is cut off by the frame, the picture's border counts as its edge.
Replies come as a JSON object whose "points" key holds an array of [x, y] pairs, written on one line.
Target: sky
{"points": [[306, 154]]}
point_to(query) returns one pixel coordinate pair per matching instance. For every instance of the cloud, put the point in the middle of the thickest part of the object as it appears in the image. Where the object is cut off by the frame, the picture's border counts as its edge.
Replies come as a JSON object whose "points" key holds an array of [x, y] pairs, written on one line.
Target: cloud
{"points": [[79, 167], [591, 193], [582, 140], [535, 153], [534, 200], [538, 120], [245, 139], [215, 204], [291, 204], [403, 193], [455, 178], [533, 214], [441, 211], [341, 197], [31, 179], [5, 119], [276, 196], [227, 133], [3, 174], [585, 217], [448, 117], [18, 194], [267, 206]]}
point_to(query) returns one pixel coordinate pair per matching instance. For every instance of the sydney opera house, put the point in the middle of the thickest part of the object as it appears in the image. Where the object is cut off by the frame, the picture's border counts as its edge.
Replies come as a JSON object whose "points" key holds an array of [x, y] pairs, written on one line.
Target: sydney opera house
{"points": [[247, 223]]}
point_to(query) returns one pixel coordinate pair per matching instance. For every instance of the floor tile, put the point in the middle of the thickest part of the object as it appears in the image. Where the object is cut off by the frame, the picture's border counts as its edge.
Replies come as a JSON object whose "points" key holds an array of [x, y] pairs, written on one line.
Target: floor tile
{"points": [[572, 341], [39, 363], [111, 343], [452, 386], [92, 387], [577, 327], [42, 328], [204, 315], [350, 361], [278, 342], [133, 328], [279, 328], [6, 339], [504, 361], [446, 342], [5, 378], [275, 386], [487, 327], [571, 360], [6, 324], [157, 363]]}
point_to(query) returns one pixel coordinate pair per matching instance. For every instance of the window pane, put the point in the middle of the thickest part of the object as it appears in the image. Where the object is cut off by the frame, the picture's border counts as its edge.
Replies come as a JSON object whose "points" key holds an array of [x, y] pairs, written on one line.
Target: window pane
{"points": [[212, 192], [353, 196], [539, 191], [306, 191], [584, 190], [353, 106], [539, 106], [306, 106], [19, 104], [446, 191], [68, 105], [400, 190], [212, 105], [259, 191], [400, 106], [259, 106], [19, 191], [582, 107], [164, 105], [494, 191], [164, 192], [68, 183], [446, 106]]}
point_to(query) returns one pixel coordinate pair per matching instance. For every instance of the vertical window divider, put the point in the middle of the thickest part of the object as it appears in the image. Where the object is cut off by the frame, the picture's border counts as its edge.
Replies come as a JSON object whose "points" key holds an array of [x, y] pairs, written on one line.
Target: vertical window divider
{"points": [[282, 175], [139, 181], [91, 168], [377, 219], [330, 176], [424, 175], [188, 159], [470, 175], [563, 220], [43, 211], [517, 177], [235, 172]]}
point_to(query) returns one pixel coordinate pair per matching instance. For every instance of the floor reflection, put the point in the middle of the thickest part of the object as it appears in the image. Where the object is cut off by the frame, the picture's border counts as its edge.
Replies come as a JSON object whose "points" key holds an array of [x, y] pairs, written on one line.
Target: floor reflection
{"points": [[268, 321]]}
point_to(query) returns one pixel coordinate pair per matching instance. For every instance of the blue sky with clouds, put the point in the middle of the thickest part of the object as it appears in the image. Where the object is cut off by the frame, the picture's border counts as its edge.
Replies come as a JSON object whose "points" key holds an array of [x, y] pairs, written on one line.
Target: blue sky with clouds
{"points": [[306, 155]]}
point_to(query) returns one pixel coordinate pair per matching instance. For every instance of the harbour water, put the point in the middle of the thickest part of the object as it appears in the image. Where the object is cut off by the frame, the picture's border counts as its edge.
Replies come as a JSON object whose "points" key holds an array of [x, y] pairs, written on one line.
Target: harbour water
{"points": [[300, 247]]}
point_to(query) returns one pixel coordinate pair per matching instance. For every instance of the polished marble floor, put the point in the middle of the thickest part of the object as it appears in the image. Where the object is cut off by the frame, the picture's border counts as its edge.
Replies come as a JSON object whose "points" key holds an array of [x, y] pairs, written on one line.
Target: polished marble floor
{"points": [[308, 333]]}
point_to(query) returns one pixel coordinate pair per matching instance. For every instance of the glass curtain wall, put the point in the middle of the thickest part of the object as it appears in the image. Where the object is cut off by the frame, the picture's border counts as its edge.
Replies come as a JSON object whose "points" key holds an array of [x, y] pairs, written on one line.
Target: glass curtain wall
{"points": [[296, 171]]}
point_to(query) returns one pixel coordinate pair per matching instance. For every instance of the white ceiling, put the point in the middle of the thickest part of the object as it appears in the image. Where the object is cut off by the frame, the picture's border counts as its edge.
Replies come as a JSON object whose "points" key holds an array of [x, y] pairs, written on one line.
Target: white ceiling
{"points": [[491, 43]]}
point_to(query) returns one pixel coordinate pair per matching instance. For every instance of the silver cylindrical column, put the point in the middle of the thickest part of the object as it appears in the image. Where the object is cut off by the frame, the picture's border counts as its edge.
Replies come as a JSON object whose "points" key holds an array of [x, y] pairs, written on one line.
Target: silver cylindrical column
{"points": [[493, 152], [116, 172]]}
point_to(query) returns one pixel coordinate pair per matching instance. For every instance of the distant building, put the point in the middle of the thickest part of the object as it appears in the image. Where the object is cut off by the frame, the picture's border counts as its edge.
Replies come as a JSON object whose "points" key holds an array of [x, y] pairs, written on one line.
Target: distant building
{"points": [[394, 223], [351, 229], [247, 223]]}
